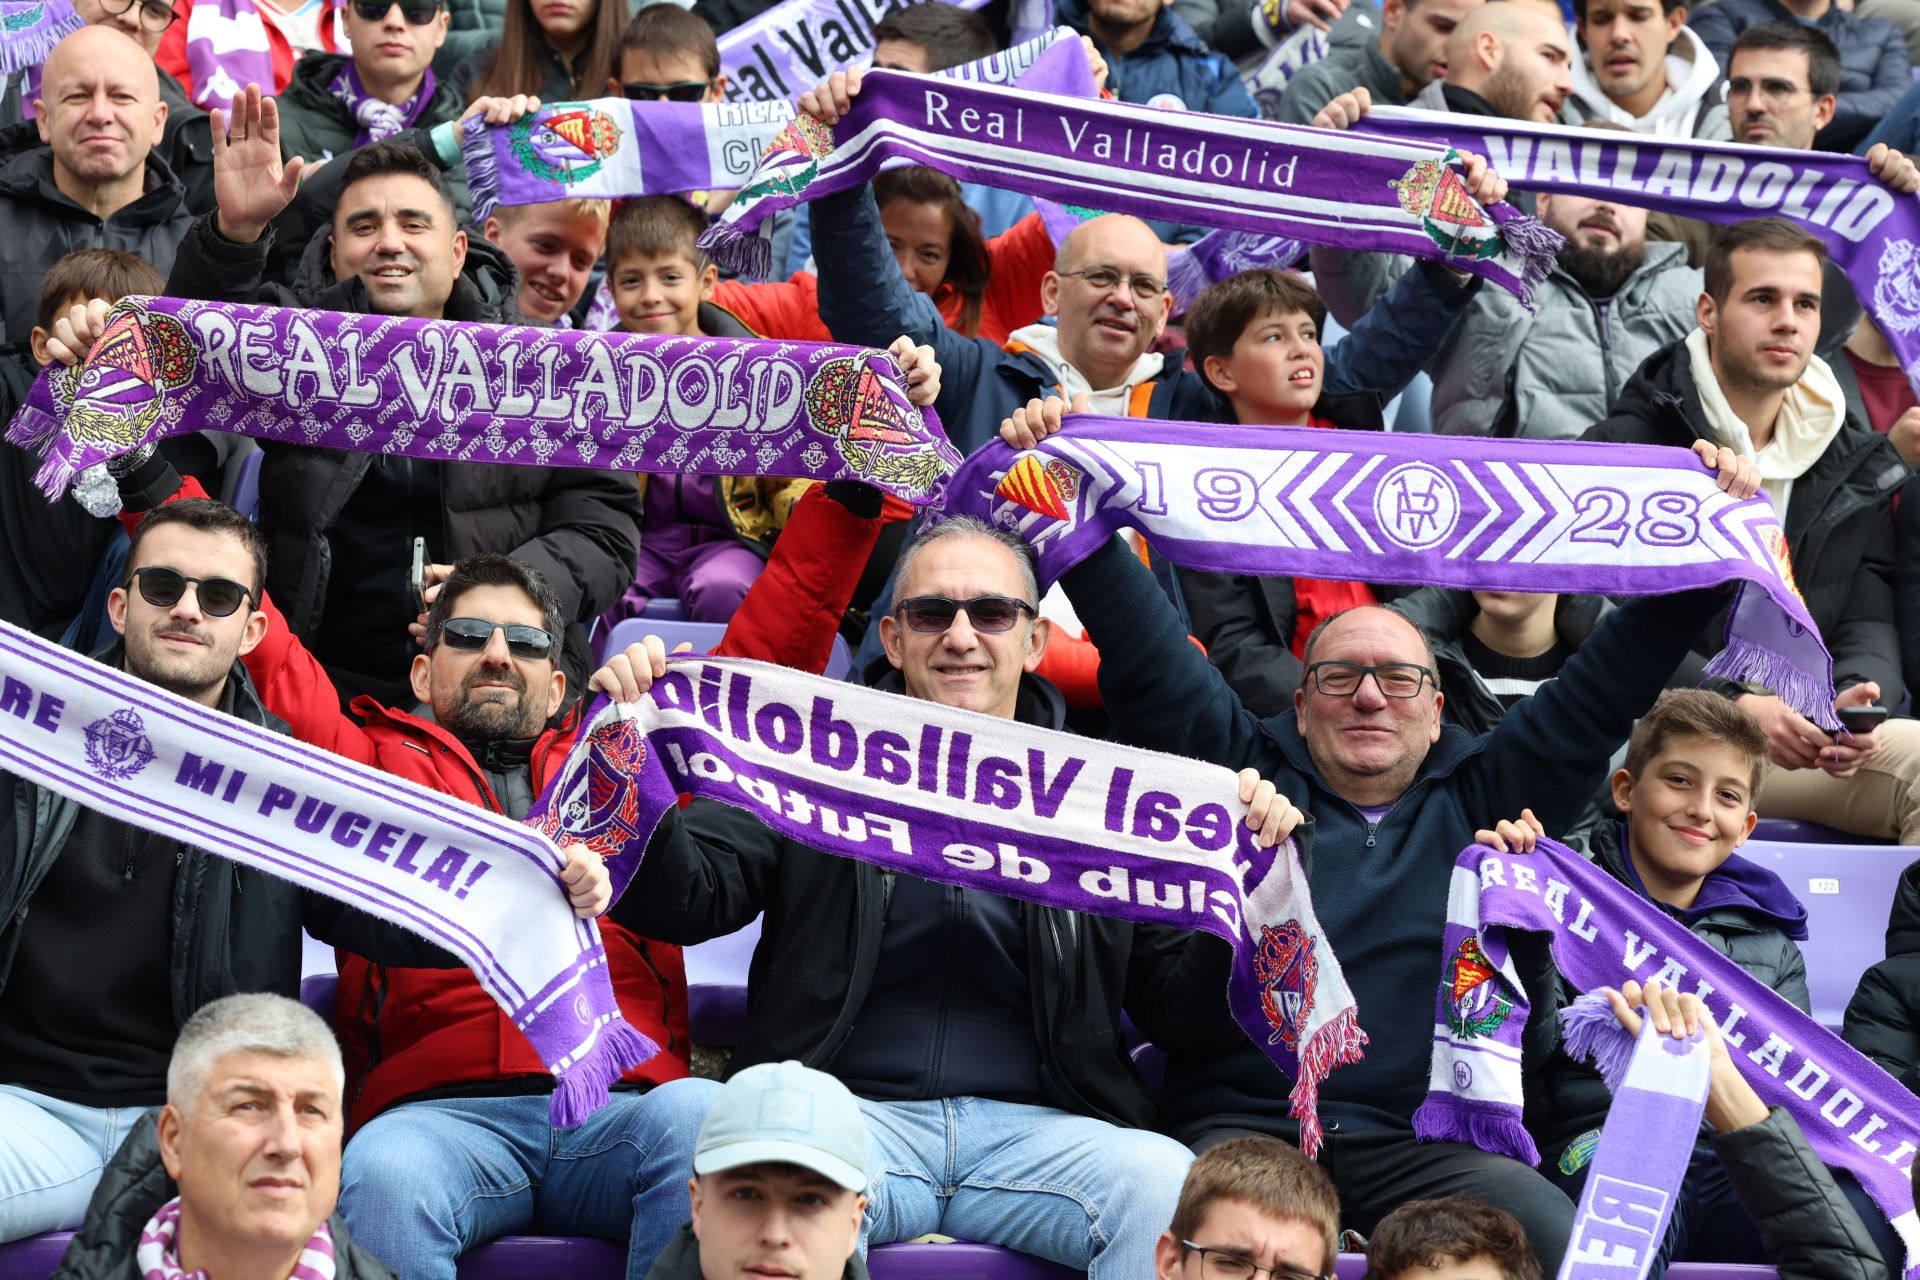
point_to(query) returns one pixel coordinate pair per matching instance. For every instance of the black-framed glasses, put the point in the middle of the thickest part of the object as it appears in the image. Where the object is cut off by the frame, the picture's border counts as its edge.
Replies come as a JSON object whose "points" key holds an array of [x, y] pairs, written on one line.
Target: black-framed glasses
{"points": [[678, 91], [155, 15], [416, 14], [471, 635], [162, 588], [1223, 1264], [1339, 679], [1106, 280], [934, 614], [1772, 90]]}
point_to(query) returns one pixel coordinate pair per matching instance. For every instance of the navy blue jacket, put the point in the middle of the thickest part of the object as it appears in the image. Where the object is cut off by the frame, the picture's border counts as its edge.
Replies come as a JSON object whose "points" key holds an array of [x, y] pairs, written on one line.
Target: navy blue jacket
{"points": [[1874, 67], [1173, 62], [1379, 889]]}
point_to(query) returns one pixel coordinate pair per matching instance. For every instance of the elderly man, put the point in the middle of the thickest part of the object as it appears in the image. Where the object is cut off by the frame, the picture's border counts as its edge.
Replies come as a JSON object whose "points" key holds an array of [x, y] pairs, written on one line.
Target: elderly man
{"points": [[94, 181], [237, 1176]]}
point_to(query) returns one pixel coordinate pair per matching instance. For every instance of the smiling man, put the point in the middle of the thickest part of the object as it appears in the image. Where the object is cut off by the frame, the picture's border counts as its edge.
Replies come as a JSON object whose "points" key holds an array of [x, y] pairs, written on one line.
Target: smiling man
{"points": [[554, 247], [1643, 68]]}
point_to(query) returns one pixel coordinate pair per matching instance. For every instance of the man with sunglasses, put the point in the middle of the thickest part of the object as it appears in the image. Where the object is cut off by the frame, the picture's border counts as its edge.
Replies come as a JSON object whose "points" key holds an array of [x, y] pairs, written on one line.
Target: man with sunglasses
{"points": [[336, 102], [111, 937]]}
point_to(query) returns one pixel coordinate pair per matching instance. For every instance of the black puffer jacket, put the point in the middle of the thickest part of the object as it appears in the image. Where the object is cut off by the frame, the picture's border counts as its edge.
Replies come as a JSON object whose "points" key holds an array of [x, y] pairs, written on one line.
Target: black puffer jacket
{"points": [[580, 529], [1805, 1221], [132, 1188], [1883, 1018], [1839, 521]]}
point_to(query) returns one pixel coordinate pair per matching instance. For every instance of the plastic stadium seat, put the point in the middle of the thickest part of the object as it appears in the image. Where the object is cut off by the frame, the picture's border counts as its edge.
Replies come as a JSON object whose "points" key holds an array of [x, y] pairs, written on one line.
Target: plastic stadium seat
{"points": [[33, 1258], [717, 986], [702, 636], [1848, 892], [1794, 831], [664, 607], [538, 1257], [961, 1261], [318, 991], [1352, 1266]]}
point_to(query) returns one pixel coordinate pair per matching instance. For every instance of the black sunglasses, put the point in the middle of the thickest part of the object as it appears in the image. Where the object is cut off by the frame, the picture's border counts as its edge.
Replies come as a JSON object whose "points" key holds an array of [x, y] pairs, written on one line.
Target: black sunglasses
{"points": [[162, 588], [679, 91], [934, 614], [417, 15], [474, 634]]}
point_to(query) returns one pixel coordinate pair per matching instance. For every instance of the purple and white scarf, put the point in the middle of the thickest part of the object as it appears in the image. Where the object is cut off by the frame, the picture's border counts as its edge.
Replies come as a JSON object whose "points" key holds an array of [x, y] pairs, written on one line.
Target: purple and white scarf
{"points": [[1455, 511], [467, 879], [1601, 933], [1871, 231], [1255, 176], [962, 798], [28, 31], [1190, 267], [1267, 81], [614, 149], [158, 1253], [796, 44], [228, 49], [483, 393], [377, 118]]}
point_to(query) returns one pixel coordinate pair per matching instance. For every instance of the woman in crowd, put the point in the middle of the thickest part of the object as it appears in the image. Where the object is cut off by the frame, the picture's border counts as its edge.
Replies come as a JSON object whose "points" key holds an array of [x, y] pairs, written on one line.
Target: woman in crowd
{"points": [[557, 50]]}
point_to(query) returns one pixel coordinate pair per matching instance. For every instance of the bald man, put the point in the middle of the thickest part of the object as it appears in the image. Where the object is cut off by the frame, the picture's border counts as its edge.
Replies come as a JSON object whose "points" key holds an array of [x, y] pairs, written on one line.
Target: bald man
{"points": [[93, 181], [1513, 60]]}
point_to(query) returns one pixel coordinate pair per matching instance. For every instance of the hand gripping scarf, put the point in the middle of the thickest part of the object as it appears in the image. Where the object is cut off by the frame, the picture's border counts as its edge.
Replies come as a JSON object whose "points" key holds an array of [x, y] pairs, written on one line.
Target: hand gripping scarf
{"points": [[481, 886], [482, 393], [1313, 185], [28, 31], [612, 148], [1455, 511], [985, 803], [1601, 933], [1872, 231]]}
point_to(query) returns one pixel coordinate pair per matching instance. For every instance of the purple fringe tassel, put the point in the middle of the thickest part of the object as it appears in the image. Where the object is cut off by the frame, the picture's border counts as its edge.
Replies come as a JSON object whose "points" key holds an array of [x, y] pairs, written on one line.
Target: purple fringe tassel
{"points": [[1590, 1033], [483, 171], [583, 1087], [1801, 690], [1537, 246], [1491, 1126], [748, 254]]}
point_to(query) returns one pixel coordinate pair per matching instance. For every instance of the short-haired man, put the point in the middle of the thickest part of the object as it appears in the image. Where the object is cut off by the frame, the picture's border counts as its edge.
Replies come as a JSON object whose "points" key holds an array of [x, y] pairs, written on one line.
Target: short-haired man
{"points": [[338, 101], [1409, 55], [1746, 378], [236, 1178], [129, 932], [1251, 1204], [1643, 68], [779, 1182], [94, 180], [553, 247], [1874, 68]]}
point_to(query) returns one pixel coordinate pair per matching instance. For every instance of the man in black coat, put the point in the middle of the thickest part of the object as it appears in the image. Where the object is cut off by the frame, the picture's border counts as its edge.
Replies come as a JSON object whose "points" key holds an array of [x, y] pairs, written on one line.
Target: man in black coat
{"points": [[1747, 379]]}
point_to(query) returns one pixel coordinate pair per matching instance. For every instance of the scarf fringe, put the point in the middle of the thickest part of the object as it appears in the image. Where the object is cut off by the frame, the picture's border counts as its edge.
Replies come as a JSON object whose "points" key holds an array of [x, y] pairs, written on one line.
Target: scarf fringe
{"points": [[1493, 1127], [38, 432], [1743, 660], [1537, 246], [1186, 277], [483, 171], [1338, 1041], [583, 1087], [29, 49], [744, 253], [1590, 1033]]}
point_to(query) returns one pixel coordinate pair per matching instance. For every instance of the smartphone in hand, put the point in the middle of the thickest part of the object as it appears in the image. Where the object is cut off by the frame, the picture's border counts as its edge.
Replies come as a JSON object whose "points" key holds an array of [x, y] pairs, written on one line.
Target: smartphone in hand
{"points": [[418, 579], [1862, 719]]}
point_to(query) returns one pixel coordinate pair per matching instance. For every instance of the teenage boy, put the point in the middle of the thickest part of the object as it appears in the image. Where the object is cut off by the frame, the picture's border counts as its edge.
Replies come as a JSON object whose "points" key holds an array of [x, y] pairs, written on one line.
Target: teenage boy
{"points": [[1251, 1204], [1450, 1238]]}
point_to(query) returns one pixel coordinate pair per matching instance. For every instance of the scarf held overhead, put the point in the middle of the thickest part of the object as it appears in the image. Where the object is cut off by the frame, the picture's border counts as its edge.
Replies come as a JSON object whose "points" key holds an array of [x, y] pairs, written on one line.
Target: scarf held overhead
{"points": [[1856, 1117], [1496, 515], [967, 799], [1871, 231], [1313, 185], [483, 393], [458, 875]]}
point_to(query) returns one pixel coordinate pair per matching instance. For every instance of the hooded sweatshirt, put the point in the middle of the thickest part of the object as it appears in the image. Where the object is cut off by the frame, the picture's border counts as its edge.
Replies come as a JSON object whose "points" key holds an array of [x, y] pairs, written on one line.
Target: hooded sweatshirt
{"points": [[1044, 341], [1735, 885], [1694, 105], [1810, 417]]}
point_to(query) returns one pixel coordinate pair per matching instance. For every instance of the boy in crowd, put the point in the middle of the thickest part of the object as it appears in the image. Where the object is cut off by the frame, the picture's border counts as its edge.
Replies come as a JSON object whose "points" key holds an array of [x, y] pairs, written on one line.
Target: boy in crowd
{"points": [[1251, 1204], [1451, 1238], [554, 247]]}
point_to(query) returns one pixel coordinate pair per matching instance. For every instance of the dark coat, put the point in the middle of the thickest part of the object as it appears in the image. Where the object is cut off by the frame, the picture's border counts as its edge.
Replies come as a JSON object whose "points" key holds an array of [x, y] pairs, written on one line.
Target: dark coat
{"points": [[186, 145], [1874, 67], [1906, 579], [680, 1260], [1172, 62], [1838, 522], [132, 1188], [1883, 1018], [1443, 615], [1805, 1220]]}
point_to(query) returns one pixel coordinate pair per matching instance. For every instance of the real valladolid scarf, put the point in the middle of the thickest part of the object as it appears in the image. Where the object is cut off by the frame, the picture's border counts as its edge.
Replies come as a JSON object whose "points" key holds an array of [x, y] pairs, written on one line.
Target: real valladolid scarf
{"points": [[483, 393], [974, 800], [1872, 231], [615, 149], [228, 49], [378, 119], [1601, 933], [1312, 185], [483, 887], [28, 31], [1499, 515]]}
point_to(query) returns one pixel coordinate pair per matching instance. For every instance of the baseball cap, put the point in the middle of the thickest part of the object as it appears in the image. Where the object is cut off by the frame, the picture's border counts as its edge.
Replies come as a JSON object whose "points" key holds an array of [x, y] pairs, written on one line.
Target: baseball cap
{"points": [[784, 1113]]}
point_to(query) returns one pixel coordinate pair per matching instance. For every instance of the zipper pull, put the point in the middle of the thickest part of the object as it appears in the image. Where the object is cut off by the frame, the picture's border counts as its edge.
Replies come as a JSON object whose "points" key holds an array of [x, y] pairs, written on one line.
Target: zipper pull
{"points": [[1372, 827]]}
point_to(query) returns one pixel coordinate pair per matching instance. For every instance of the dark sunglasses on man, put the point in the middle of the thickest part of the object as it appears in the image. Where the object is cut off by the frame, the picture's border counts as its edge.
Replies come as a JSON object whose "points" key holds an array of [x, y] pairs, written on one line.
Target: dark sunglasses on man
{"points": [[162, 588], [678, 91], [934, 614], [416, 13], [472, 635]]}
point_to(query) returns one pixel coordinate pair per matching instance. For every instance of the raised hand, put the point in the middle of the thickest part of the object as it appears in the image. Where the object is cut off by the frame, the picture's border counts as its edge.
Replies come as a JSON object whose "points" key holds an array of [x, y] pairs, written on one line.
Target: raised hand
{"points": [[250, 185], [502, 110], [920, 368]]}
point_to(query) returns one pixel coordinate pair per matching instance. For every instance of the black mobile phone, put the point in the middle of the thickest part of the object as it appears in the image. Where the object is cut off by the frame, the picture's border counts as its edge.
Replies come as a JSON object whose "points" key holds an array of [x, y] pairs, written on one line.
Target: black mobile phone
{"points": [[418, 578], [1862, 719]]}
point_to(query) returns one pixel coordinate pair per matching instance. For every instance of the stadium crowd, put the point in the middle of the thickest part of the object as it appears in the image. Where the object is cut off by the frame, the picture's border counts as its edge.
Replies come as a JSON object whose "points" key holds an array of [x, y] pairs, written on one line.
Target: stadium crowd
{"points": [[920, 1058]]}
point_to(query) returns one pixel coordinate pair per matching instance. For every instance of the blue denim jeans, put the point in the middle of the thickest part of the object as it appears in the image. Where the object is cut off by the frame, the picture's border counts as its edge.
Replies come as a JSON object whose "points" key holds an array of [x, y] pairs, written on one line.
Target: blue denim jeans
{"points": [[1077, 1191], [426, 1181], [51, 1155]]}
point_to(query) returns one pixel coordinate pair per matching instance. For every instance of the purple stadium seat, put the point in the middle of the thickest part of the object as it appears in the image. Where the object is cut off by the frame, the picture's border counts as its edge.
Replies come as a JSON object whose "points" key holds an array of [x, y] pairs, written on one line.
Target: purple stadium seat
{"points": [[1794, 831], [717, 986], [1848, 891], [1353, 1266], [703, 636], [317, 993], [1150, 1060], [33, 1258], [961, 1261], [537, 1257], [663, 607]]}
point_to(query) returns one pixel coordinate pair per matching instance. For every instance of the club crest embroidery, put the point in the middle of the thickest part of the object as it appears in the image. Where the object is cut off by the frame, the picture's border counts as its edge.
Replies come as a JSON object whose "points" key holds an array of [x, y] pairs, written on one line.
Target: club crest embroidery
{"points": [[1287, 972], [1434, 193], [1046, 487], [117, 745], [24, 18], [567, 144], [1475, 1007], [122, 388], [601, 806], [1783, 559], [879, 436], [1896, 290], [792, 159]]}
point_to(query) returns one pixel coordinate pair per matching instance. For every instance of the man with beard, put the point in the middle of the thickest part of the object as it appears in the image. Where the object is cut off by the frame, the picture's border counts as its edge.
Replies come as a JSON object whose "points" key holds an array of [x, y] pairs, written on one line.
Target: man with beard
{"points": [[1409, 55], [1611, 301], [1644, 69], [130, 933]]}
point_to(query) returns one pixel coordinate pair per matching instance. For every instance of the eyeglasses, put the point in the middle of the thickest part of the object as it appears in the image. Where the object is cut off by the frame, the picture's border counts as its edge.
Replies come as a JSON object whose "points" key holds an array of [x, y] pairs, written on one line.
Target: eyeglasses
{"points": [[1106, 279], [162, 588], [1218, 1264], [934, 614], [1396, 679], [471, 635], [1772, 91], [678, 91], [155, 15], [417, 15]]}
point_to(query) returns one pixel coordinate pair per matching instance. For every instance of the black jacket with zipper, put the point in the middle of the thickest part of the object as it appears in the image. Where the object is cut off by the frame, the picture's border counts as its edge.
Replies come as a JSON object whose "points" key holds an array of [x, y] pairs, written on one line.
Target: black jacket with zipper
{"points": [[1883, 1018]]}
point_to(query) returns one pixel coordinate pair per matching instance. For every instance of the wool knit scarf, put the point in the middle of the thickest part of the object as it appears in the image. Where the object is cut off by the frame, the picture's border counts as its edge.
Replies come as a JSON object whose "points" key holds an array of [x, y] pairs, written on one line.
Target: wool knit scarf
{"points": [[482, 393], [1856, 1117], [377, 118], [1871, 231], [158, 1253], [967, 799], [28, 31], [481, 886], [1312, 185], [1456, 511]]}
